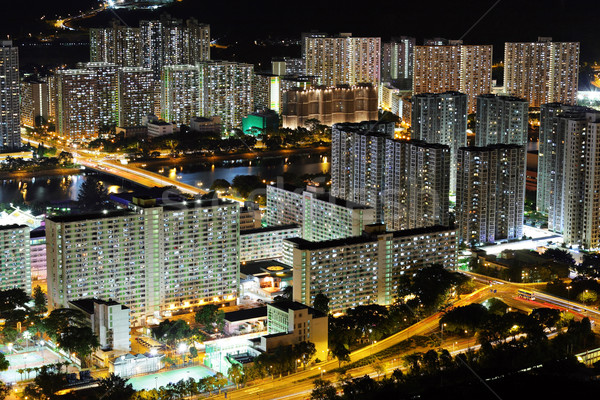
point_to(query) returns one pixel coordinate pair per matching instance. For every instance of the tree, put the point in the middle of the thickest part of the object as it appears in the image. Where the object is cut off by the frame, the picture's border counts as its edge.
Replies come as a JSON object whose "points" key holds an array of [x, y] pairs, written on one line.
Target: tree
{"points": [[116, 388], [548, 317], [236, 374], [70, 329], [210, 317], [590, 266], [559, 255], [39, 300], [287, 295], [65, 158], [92, 194], [588, 296], [304, 351], [341, 352], [378, 367], [321, 303], [323, 390], [244, 185], [220, 184], [193, 352], [45, 385], [4, 363], [172, 331]]}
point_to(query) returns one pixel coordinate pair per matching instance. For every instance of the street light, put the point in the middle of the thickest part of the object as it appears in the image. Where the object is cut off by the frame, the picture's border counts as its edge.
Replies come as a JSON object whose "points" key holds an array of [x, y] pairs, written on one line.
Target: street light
{"points": [[443, 325], [569, 291]]}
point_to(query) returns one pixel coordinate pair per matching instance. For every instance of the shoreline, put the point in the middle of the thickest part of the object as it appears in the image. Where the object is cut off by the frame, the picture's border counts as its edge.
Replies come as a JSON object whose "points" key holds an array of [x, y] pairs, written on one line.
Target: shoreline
{"points": [[190, 160], [40, 173]]}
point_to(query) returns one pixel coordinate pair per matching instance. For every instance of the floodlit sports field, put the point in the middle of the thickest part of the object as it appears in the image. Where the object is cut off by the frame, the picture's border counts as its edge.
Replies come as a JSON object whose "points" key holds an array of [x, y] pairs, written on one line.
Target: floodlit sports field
{"points": [[30, 359], [175, 375]]}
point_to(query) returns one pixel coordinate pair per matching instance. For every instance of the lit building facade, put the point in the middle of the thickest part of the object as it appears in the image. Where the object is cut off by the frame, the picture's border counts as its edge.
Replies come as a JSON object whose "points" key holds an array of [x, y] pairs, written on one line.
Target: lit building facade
{"points": [[35, 103], [10, 119], [441, 118], [321, 216], [329, 105], [343, 59], [397, 61], [571, 176], [490, 193], [266, 243], [365, 269], [15, 261], [154, 259], [226, 91], [358, 163], [416, 184], [453, 68], [501, 120], [117, 44], [551, 162], [542, 72], [180, 94], [136, 93], [76, 105]]}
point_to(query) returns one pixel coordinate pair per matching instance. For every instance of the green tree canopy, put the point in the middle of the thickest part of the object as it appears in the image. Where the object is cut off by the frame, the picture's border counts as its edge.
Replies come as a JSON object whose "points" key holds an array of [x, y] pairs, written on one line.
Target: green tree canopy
{"points": [[92, 194]]}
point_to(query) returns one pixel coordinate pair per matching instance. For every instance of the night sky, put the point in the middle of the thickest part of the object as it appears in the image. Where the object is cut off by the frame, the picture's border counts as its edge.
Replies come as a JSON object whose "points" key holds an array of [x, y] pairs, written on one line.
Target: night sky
{"points": [[510, 20]]}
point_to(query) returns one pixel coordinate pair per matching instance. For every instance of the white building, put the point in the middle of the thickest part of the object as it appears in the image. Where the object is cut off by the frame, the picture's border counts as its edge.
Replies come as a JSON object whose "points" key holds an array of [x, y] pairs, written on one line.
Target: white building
{"points": [[320, 215], [226, 91], [15, 262], [10, 128], [542, 72], [180, 93], [109, 320], [160, 128], [155, 258], [343, 59], [365, 269], [490, 193], [441, 118], [266, 243], [501, 120]]}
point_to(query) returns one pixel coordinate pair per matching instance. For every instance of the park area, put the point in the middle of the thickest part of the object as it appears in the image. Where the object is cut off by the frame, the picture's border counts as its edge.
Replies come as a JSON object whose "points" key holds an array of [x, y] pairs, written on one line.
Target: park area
{"points": [[154, 381]]}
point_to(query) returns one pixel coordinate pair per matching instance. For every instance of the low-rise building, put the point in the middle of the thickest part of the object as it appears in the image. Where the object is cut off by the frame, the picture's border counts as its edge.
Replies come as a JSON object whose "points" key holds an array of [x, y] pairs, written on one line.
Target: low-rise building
{"points": [[290, 322], [160, 128], [128, 365], [109, 320], [246, 321], [250, 217]]}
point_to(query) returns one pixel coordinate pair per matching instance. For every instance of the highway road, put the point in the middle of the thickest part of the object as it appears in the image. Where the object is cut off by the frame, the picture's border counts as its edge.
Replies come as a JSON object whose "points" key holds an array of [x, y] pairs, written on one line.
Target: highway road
{"points": [[100, 162], [299, 385]]}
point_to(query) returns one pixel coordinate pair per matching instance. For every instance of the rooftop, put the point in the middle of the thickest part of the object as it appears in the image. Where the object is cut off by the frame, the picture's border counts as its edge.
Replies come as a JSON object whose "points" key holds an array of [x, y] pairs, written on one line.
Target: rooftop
{"points": [[365, 238], [90, 216], [273, 228], [296, 306], [243, 315]]}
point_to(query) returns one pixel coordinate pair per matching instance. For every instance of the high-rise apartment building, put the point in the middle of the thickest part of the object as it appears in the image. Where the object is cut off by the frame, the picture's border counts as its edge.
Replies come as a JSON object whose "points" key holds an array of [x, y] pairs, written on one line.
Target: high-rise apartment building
{"points": [[490, 193], [329, 105], [226, 91], [397, 61], [453, 68], [136, 93], [154, 258], [10, 128], [321, 216], [266, 243], [501, 120], [15, 262], [169, 41], [365, 269], [441, 118], [343, 59], [76, 104], [180, 93], [568, 172], [87, 100], [542, 72], [551, 161], [117, 44], [416, 186], [358, 163], [35, 102]]}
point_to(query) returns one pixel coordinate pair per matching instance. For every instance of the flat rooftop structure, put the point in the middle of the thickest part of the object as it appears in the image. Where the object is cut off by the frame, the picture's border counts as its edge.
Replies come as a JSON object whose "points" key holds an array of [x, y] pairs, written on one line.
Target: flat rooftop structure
{"points": [[304, 244], [296, 306], [266, 229], [87, 305], [88, 216], [264, 267], [247, 314]]}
